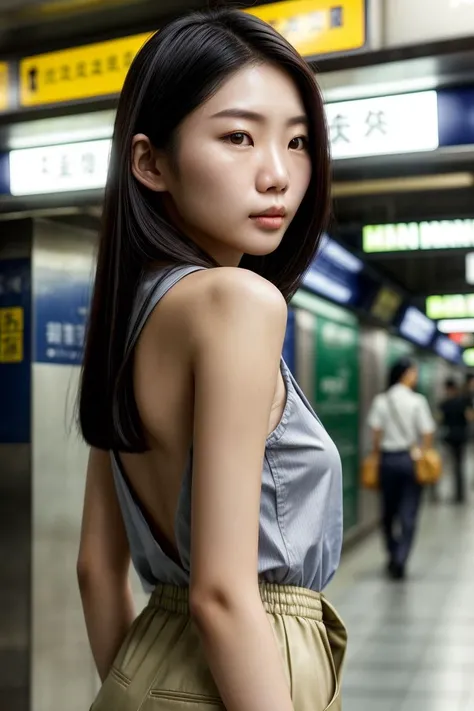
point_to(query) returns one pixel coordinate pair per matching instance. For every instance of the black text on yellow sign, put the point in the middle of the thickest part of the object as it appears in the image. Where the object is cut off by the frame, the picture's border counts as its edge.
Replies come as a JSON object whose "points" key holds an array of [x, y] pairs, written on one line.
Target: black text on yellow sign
{"points": [[314, 27], [78, 73], [11, 334], [317, 27], [4, 86]]}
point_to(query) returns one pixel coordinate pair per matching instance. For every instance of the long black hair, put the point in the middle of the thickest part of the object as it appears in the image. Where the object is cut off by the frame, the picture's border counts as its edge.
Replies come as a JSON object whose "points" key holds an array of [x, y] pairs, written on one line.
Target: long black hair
{"points": [[178, 69]]}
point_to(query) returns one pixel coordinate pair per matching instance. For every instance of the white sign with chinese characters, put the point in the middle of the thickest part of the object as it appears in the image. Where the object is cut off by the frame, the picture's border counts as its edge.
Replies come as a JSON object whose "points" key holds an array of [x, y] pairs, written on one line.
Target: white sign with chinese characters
{"points": [[384, 125], [60, 168], [64, 339]]}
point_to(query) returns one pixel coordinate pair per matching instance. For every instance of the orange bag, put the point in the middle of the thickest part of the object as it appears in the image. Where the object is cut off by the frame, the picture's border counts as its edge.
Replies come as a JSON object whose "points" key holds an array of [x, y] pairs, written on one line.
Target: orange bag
{"points": [[370, 472], [428, 466]]}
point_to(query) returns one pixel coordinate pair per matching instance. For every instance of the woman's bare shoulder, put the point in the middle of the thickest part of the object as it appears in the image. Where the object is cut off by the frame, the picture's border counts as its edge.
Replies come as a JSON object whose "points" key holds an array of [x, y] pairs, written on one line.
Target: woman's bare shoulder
{"points": [[211, 294]]}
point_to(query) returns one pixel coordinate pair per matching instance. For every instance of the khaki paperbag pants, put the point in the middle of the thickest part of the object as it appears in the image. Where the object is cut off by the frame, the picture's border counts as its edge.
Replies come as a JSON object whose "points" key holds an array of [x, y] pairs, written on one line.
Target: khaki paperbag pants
{"points": [[161, 665]]}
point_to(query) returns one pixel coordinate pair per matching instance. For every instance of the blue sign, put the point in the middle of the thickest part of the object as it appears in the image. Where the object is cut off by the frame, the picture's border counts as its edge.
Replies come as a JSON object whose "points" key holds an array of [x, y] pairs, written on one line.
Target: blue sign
{"points": [[15, 351], [335, 274], [456, 116], [4, 174], [289, 345], [61, 311]]}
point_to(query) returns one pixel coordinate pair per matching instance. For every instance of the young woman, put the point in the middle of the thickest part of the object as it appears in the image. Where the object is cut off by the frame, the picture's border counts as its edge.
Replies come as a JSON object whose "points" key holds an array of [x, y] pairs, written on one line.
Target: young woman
{"points": [[208, 466], [400, 419]]}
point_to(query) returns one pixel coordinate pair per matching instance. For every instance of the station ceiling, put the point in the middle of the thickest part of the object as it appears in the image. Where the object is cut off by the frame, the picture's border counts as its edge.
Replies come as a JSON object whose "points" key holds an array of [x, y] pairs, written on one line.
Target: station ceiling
{"points": [[368, 192]]}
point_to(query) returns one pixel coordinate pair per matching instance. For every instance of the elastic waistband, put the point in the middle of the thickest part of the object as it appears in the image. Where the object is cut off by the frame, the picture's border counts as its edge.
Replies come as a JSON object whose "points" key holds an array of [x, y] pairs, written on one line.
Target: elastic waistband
{"points": [[277, 600]]}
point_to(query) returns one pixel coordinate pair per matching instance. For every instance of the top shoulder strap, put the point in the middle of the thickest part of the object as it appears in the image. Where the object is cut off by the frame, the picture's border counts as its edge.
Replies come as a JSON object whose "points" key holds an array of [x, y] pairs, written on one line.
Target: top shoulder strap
{"points": [[398, 419], [150, 292]]}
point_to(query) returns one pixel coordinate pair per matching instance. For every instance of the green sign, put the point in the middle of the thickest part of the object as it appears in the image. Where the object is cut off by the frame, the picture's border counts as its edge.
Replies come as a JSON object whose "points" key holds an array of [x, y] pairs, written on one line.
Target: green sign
{"points": [[450, 306], [337, 400], [418, 236], [468, 356]]}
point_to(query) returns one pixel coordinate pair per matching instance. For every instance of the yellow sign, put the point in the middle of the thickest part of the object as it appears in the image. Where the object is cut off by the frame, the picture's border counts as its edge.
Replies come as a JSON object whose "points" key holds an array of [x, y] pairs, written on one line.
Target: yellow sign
{"points": [[316, 27], [313, 27], [78, 73], [4, 85], [11, 334]]}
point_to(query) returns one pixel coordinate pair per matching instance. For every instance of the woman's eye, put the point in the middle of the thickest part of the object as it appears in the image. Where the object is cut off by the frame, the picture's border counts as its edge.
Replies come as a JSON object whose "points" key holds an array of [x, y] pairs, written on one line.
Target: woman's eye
{"points": [[300, 143], [239, 139]]}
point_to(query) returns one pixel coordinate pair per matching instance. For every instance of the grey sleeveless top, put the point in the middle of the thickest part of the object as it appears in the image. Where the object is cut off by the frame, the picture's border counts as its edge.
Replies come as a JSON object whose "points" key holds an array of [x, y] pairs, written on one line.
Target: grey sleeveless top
{"points": [[300, 535]]}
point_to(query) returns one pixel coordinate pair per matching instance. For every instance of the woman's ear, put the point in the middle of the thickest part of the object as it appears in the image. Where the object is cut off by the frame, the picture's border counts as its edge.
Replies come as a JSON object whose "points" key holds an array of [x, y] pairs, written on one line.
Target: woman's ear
{"points": [[148, 165]]}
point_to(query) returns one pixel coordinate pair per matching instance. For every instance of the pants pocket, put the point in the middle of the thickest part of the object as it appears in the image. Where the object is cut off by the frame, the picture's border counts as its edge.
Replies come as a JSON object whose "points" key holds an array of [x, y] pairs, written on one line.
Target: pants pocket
{"points": [[176, 700], [113, 694], [337, 635]]}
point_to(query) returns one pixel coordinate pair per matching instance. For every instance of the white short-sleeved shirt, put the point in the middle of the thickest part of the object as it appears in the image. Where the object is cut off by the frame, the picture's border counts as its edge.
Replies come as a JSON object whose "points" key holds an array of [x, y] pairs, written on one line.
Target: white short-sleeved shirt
{"points": [[412, 409]]}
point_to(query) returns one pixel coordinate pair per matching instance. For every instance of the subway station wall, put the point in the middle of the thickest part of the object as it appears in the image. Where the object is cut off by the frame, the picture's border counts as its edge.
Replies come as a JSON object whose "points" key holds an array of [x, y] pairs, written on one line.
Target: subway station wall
{"points": [[62, 671], [60, 649], [15, 463]]}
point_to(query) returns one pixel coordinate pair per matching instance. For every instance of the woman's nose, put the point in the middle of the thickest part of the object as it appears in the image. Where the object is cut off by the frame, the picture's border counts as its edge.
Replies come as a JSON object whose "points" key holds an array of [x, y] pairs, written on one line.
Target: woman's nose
{"points": [[273, 173]]}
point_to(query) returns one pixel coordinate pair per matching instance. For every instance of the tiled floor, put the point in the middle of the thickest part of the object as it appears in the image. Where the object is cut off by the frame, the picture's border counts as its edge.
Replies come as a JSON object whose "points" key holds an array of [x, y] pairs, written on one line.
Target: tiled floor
{"points": [[412, 643]]}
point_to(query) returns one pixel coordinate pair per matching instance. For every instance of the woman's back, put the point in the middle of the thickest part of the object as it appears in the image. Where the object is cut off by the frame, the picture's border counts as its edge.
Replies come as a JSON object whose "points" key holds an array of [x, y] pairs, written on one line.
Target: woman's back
{"points": [[298, 545], [164, 393]]}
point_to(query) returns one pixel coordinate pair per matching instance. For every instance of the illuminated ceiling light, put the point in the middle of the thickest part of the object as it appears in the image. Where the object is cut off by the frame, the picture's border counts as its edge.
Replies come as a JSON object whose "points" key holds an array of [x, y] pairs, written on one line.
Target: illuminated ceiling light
{"points": [[456, 325], [419, 236], [450, 306], [470, 268], [416, 183]]}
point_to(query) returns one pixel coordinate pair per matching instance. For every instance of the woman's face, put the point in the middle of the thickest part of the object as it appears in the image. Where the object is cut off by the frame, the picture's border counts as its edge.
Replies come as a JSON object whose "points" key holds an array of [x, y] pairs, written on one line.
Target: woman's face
{"points": [[241, 165]]}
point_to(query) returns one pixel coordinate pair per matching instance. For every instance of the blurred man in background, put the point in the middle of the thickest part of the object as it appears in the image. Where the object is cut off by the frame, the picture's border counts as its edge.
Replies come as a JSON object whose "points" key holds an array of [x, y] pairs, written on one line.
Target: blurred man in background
{"points": [[456, 411]]}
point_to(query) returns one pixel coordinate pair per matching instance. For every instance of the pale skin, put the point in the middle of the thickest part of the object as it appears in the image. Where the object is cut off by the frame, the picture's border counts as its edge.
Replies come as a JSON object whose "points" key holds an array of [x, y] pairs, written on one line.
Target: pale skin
{"points": [[207, 372]]}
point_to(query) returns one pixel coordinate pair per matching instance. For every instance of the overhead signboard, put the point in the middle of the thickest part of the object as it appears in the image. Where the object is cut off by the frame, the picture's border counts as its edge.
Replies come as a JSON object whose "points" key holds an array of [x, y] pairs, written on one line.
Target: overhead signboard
{"points": [[78, 73], [417, 327], [4, 86], [470, 268], [447, 349], [450, 306], [386, 304], [335, 273], [456, 325], [456, 116], [53, 169], [415, 22], [318, 27], [314, 27], [418, 236], [404, 123]]}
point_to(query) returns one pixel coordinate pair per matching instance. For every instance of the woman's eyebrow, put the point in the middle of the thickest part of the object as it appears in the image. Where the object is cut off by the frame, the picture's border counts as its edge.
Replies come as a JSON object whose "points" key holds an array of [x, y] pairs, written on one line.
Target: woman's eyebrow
{"points": [[255, 116]]}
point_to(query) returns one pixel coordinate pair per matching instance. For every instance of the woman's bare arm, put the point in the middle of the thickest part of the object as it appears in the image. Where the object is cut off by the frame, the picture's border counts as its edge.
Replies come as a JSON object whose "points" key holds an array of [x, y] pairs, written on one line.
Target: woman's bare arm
{"points": [[103, 565], [236, 352]]}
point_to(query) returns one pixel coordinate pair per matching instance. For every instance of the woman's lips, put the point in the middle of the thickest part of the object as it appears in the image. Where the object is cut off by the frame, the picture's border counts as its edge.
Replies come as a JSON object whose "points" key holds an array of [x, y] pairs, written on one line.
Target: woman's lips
{"points": [[269, 222]]}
